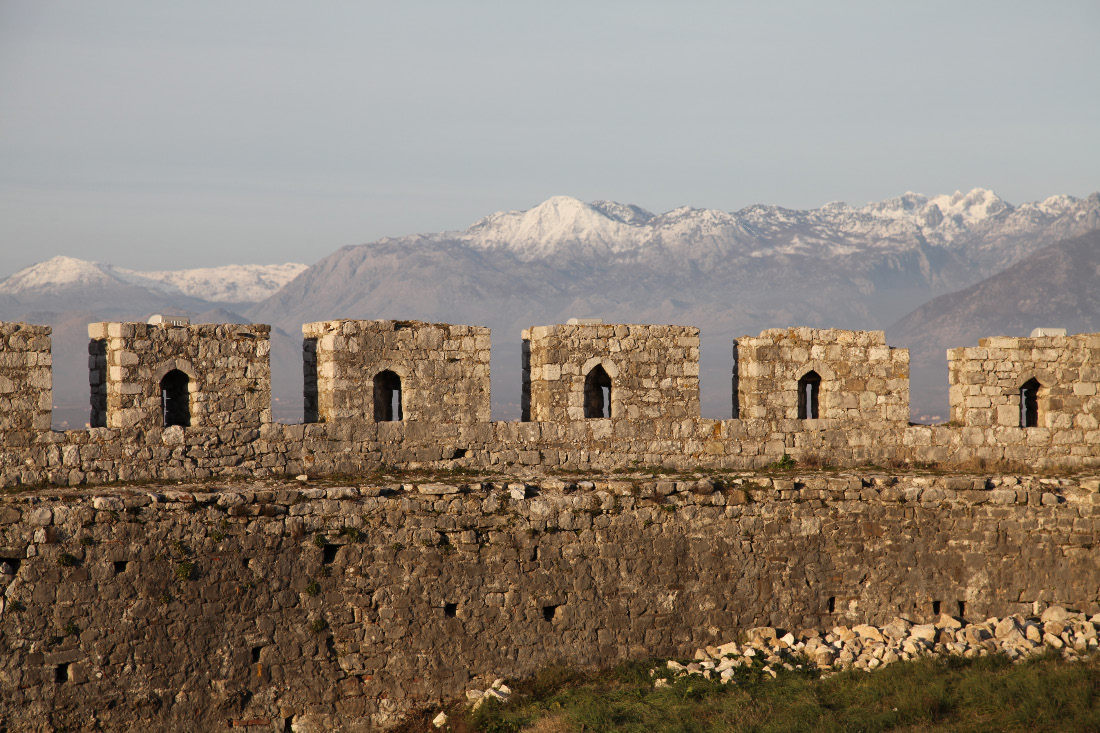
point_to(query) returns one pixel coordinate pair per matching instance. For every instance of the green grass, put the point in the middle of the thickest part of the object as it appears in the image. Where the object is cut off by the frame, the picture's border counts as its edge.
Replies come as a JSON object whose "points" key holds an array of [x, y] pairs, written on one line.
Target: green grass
{"points": [[952, 694]]}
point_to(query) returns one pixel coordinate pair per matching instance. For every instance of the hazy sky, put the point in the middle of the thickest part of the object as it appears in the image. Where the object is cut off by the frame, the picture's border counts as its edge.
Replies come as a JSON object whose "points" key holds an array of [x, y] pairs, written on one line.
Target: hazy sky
{"points": [[173, 134]]}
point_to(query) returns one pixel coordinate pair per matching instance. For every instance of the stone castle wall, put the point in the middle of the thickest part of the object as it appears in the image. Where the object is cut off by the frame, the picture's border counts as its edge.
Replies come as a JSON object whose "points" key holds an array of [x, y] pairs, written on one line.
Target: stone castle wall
{"points": [[227, 367], [443, 369], [654, 371], [444, 397], [861, 378], [986, 380], [340, 608]]}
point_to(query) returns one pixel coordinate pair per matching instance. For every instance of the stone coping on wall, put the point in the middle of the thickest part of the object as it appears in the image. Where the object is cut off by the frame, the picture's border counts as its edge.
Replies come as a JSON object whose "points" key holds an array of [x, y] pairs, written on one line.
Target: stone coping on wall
{"points": [[725, 488], [104, 455]]}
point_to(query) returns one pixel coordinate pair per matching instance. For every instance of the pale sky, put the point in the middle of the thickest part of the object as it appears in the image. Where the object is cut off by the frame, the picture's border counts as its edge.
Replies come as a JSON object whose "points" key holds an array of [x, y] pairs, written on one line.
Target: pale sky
{"points": [[159, 135]]}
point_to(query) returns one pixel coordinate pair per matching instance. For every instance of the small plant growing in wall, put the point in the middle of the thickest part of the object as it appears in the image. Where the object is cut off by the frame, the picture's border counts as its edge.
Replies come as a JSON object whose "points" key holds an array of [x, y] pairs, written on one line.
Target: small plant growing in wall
{"points": [[86, 541], [71, 629], [318, 625], [351, 533], [181, 549], [185, 571], [66, 560], [320, 541], [783, 463], [313, 588]]}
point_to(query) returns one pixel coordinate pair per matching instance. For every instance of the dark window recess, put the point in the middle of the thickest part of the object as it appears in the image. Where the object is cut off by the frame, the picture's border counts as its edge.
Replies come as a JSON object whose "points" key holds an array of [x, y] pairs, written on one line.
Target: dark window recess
{"points": [[935, 608], [175, 400], [450, 610], [548, 612], [961, 608], [12, 564], [597, 393], [287, 722], [809, 390], [1029, 404], [61, 673], [832, 604], [120, 566], [329, 552], [256, 654], [459, 453], [387, 397]]}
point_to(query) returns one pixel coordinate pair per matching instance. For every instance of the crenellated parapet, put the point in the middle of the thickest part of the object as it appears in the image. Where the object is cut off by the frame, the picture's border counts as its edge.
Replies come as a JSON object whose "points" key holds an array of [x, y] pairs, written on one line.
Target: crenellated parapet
{"points": [[152, 376], [820, 374], [193, 402]]}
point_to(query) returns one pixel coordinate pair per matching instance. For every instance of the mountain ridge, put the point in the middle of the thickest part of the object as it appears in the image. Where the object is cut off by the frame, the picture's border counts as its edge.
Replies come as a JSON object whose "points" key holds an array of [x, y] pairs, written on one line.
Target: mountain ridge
{"points": [[729, 273], [224, 284]]}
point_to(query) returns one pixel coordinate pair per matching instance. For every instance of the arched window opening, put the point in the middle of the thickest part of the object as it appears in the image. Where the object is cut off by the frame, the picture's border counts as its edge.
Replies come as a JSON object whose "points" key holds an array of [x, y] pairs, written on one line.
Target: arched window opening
{"points": [[387, 397], [809, 389], [1029, 404], [175, 399], [597, 393]]}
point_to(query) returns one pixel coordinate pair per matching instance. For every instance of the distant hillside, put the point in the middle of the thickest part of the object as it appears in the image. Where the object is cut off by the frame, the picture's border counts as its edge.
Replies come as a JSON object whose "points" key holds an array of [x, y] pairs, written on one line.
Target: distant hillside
{"points": [[1057, 286]]}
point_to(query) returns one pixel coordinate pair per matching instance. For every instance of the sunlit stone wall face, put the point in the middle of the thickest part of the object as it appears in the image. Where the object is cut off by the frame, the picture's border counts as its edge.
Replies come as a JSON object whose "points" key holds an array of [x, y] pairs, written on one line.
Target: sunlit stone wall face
{"points": [[653, 372], [862, 380], [986, 383], [227, 370]]}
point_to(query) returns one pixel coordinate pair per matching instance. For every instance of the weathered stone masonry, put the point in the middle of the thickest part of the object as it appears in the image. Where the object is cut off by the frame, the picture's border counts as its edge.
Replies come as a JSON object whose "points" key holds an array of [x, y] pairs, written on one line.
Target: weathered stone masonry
{"points": [[226, 368], [986, 382], [393, 393], [443, 370], [338, 609], [26, 383]]}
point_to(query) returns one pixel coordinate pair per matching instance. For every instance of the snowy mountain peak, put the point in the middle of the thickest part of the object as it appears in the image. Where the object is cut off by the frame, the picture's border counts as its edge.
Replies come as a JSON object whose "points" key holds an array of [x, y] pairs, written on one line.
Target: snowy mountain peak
{"points": [[230, 283], [57, 273], [225, 284], [1057, 204], [971, 207], [561, 223], [626, 213], [898, 207]]}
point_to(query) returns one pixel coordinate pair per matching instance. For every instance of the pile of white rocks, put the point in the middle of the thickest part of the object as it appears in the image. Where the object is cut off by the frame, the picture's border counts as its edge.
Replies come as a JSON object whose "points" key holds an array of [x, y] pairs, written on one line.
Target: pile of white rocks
{"points": [[476, 698], [497, 691], [867, 647]]}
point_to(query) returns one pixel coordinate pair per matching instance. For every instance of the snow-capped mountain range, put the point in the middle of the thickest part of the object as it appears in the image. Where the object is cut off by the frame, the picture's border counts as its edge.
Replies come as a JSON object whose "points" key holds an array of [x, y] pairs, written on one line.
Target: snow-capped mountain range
{"points": [[730, 273], [226, 284], [563, 225]]}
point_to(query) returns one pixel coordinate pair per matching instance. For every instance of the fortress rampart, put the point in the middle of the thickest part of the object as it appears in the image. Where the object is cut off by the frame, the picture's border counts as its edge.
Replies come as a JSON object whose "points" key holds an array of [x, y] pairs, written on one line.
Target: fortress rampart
{"points": [[193, 402], [272, 607]]}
